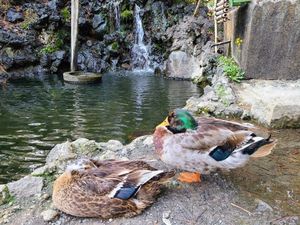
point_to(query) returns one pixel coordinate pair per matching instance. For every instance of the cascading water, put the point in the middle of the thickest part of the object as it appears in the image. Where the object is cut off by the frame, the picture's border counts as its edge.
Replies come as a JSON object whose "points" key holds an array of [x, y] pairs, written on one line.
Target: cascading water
{"points": [[140, 51], [115, 14]]}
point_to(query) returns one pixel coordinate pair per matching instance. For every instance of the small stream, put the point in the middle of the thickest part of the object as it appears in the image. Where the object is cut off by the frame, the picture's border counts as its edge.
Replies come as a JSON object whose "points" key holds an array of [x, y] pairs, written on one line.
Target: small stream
{"points": [[36, 115]]}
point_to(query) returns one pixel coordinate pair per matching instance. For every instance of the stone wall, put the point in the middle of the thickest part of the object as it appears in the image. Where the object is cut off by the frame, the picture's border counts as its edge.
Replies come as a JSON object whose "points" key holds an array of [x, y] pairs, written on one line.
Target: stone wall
{"points": [[270, 34]]}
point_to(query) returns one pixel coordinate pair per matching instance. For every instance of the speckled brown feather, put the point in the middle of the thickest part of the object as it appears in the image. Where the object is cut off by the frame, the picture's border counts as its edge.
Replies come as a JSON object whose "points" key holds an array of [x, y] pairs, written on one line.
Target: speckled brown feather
{"points": [[85, 193]]}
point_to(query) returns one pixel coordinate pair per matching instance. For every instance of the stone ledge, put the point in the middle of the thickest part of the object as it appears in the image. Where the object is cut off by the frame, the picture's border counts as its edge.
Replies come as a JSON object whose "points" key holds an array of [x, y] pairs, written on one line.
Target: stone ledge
{"points": [[273, 103]]}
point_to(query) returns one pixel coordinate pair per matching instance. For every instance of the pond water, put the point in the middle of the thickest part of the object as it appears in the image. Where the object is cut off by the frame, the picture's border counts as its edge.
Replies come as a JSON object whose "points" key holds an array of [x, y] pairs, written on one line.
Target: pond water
{"points": [[274, 179], [36, 115]]}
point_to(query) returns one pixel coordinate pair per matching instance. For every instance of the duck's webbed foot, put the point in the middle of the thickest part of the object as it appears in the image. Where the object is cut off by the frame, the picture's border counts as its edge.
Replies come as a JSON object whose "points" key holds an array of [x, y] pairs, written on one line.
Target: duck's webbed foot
{"points": [[189, 177]]}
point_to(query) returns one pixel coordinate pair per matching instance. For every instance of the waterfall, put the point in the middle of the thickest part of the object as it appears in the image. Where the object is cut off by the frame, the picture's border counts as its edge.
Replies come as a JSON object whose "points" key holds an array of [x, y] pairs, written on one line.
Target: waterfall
{"points": [[117, 15], [114, 9], [140, 51]]}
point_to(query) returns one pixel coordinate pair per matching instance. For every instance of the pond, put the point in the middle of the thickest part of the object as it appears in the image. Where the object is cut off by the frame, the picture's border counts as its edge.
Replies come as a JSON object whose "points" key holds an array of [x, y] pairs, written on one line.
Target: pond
{"points": [[35, 115]]}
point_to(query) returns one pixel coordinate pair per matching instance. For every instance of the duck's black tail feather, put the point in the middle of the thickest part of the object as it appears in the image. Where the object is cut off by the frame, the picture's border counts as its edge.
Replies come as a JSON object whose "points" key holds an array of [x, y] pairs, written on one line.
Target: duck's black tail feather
{"points": [[260, 147]]}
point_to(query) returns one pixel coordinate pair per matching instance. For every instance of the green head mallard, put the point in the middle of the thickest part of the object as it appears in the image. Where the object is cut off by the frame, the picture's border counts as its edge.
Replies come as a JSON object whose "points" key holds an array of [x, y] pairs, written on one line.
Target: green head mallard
{"points": [[206, 144]]}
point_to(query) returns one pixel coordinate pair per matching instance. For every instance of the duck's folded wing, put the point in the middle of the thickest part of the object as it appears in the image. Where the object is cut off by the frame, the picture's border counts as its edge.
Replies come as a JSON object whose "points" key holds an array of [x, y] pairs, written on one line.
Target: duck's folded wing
{"points": [[132, 183], [204, 139], [113, 165], [219, 143], [97, 185], [230, 125]]}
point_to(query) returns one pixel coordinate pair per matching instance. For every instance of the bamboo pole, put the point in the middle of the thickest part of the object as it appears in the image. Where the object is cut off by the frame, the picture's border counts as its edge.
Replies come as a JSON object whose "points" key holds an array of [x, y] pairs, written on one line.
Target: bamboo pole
{"points": [[216, 26], [74, 33], [222, 12], [222, 2], [224, 6], [197, 8], [224, 15]]}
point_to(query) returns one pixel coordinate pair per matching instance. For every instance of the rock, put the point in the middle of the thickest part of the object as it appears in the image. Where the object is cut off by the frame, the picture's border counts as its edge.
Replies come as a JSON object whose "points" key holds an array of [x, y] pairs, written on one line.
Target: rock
{"points": [[17, 58], [262, 206], [83, 146], [40, 171], [272, 102], [158, 19], [269, 25], [49, 215], [14, 16], [61, 152], [182, 65], [99, 24], [26, 187], [13, 38], [36, 72]]}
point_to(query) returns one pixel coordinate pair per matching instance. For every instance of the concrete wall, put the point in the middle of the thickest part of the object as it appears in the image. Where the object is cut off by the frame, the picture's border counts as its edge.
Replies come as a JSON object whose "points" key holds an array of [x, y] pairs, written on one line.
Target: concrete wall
{"points": [[270, 31]]}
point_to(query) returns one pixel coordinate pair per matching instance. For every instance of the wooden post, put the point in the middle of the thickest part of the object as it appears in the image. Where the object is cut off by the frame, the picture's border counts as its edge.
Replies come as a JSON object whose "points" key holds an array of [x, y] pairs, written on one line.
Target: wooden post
{"points": [[197, 8], [216, 26], [74, 33]]}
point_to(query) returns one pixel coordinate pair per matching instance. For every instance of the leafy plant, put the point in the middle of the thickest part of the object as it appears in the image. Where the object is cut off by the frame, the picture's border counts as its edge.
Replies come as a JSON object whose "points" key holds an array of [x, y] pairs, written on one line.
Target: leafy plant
{"points": [[126, 14], [231, 68], [55, 43], [115, 46], [66, 14], [7, 198]]}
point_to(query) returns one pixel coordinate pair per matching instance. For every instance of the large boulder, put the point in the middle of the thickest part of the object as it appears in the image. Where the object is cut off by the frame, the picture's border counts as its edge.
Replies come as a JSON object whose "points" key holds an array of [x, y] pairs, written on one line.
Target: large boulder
{"points": [[273, 103], [182, 65], [269, 31]]}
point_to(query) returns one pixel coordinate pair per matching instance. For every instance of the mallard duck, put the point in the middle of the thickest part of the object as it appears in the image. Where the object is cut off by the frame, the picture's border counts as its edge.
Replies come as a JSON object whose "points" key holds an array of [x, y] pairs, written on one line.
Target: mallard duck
{"points": [[108, 188], [206, 144]]}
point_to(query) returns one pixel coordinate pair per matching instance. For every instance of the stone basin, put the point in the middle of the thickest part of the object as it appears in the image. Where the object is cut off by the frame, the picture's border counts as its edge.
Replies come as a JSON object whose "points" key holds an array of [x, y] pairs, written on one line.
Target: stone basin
{"points": [[80, 77]]}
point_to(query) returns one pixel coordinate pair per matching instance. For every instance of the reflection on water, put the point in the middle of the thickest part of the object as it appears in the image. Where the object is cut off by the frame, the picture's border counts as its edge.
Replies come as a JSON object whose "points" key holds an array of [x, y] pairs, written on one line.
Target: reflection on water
{"points": [[36, 115], [275, 179]]}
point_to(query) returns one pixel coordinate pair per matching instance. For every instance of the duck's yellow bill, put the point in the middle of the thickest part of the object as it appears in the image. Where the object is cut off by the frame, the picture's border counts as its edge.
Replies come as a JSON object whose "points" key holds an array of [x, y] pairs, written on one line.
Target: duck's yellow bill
{"points": [[164, 123]]}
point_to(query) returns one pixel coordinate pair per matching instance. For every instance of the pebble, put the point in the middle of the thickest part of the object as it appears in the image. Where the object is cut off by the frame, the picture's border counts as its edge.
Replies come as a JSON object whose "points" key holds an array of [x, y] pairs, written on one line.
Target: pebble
{"points": [[49, 214], [262, 206]]}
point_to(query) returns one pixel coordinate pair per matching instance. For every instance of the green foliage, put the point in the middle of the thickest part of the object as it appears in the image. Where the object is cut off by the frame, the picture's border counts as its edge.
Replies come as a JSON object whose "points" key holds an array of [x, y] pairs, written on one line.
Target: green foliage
{"points": [[56, 42], [221, 93], [126, 14], [66, 14], [115, 46], [7, 198], [232, 70], [29, 18], [48, 176]]}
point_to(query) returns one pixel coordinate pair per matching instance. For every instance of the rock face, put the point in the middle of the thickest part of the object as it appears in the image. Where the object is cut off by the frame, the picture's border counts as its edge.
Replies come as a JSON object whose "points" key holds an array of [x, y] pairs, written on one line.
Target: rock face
{"points": [[189, 40], [35, 35], [182, 65], [271, 39], [273, 103]]}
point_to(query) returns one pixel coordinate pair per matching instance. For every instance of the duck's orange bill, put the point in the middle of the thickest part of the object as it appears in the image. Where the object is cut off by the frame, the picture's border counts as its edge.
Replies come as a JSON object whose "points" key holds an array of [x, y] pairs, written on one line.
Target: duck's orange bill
{"points": [[164, 123]]}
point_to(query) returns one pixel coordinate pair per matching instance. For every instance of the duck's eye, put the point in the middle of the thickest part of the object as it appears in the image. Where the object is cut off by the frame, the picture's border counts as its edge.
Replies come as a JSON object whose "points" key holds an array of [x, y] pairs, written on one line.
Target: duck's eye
{"points": [[178, 123]]}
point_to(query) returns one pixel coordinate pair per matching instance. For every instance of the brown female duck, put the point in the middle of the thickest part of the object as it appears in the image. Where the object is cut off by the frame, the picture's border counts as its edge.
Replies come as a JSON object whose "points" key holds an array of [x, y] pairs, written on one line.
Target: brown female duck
{"points": [[108, 188]]}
